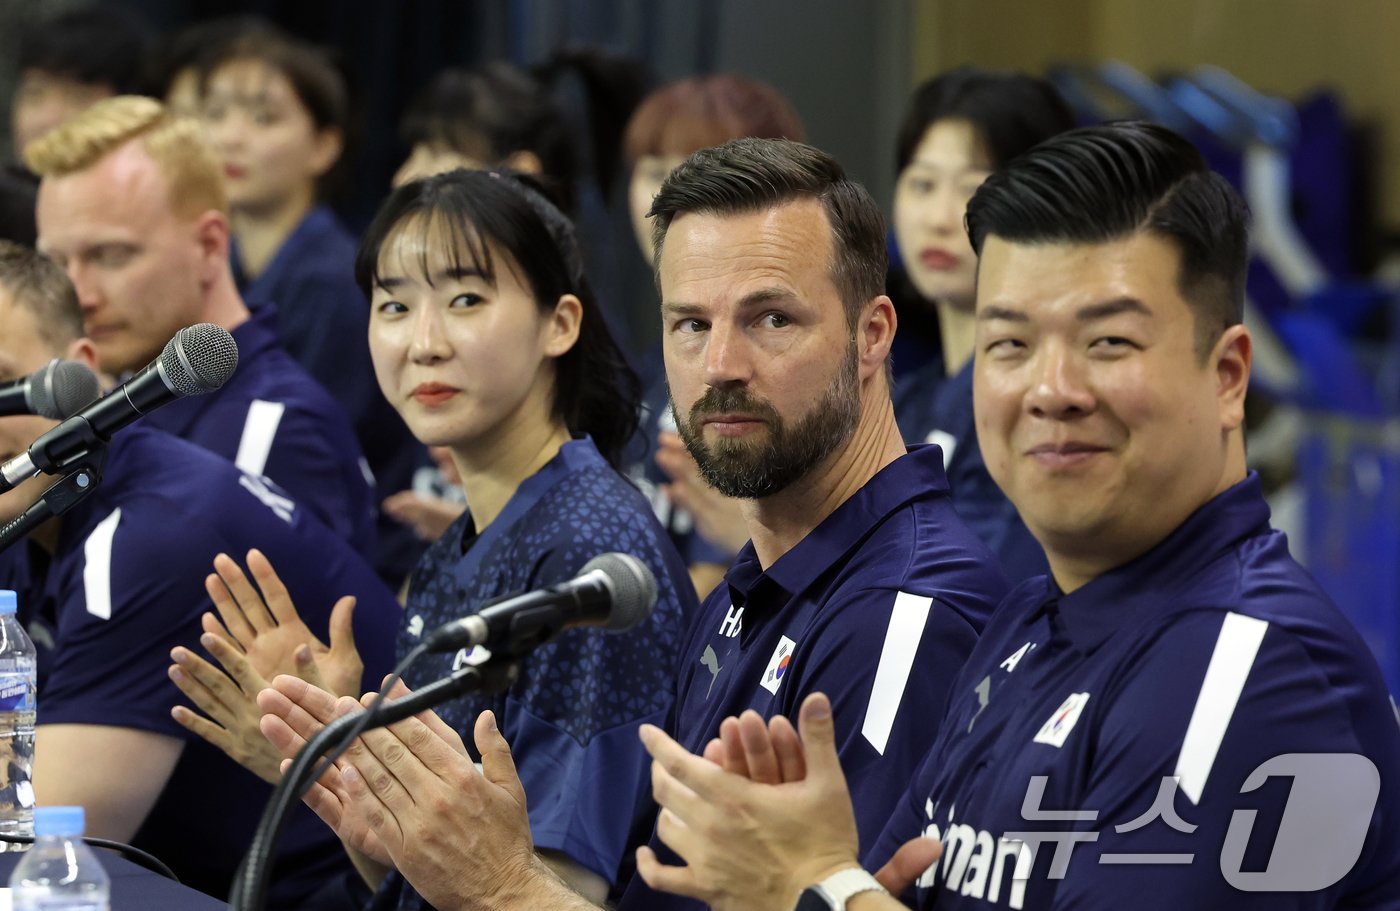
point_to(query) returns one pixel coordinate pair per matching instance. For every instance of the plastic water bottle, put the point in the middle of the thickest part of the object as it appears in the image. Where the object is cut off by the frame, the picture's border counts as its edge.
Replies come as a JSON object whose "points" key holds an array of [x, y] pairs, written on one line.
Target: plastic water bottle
{"points": [[60, 872], [17, 682]]}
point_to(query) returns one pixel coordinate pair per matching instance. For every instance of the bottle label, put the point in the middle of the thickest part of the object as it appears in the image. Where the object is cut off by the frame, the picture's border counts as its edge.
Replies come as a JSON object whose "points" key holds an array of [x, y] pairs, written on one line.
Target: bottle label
{"points": [[16, 693]]}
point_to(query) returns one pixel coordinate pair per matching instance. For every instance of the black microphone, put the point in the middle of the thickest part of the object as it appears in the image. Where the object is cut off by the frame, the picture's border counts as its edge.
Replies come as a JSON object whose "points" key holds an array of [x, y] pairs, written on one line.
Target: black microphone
{"points": [[198, 359], [614, 591], [56, 390]]}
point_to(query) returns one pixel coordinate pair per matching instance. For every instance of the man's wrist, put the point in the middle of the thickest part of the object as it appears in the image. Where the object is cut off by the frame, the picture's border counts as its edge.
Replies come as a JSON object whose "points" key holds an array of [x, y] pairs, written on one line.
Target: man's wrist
{"points": [[533, 885], [811, 874]]}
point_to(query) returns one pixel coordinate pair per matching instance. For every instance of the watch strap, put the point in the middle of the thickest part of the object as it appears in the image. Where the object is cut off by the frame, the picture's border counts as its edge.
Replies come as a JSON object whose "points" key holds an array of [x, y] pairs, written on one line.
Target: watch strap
{"points": [[839, 887]]}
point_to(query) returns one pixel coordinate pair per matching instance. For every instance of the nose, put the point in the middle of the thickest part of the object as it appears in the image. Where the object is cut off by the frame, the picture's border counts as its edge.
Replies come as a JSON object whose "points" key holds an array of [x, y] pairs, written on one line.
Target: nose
{"points": [[429, 342], [84, 287], [227, 130], [943, 210], [1060, 388], [728, 358]]}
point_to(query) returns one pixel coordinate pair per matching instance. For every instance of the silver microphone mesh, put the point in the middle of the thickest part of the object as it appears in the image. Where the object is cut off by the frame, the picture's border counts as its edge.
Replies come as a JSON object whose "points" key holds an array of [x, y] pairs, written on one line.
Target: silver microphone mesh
{"points": [[61, 388], [634, 588], [199, 359]]}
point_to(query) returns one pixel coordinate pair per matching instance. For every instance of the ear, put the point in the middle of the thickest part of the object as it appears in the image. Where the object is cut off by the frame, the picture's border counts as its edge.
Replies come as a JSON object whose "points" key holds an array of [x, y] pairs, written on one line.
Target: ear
{"points": [[562, 326], [325, 152], [524, 161], [875, 335], [211, 233], [84, 351], [1232, 357]]}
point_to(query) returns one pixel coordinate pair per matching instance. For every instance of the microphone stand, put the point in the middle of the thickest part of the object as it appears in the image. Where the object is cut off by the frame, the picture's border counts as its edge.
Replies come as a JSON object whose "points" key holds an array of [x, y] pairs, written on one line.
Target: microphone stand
{"points": [[251, 883], [83, 475]]}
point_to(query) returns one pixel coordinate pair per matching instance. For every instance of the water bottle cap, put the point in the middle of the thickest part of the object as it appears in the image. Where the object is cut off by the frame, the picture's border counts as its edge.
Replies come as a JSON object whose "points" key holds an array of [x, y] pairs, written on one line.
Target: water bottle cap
{"points": [[9, 603], [59, 821]]}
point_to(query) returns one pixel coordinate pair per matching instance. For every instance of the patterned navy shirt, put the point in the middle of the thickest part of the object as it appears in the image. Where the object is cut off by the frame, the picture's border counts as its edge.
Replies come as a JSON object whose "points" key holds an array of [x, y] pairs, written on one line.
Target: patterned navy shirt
{"points": [[931, 407], [1199, 728], [272, 419], [877, 607], [572, 716], [126, 584]]}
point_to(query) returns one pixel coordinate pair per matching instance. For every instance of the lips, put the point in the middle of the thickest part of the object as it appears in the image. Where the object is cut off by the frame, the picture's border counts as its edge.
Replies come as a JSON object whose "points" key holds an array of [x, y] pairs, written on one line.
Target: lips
{"points": [[732, 424], [933, 258], [1066, 454], [234, 172], [431, 394]]}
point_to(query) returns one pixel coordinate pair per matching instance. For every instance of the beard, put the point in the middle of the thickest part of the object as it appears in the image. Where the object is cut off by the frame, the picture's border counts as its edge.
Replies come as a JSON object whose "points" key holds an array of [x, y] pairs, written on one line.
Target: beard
{"points": [[753, 470]]}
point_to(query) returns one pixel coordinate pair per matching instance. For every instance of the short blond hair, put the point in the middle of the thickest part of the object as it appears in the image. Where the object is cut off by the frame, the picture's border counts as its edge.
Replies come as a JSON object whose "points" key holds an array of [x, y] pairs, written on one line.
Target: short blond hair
{"points": [[176, 144]]}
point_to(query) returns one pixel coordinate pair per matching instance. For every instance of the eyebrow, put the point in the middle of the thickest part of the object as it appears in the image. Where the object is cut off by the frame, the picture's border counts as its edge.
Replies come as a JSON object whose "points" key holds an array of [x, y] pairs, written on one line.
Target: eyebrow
{"points": [[1084, 314], [1112, 308], [755, 298], [394, 282]]}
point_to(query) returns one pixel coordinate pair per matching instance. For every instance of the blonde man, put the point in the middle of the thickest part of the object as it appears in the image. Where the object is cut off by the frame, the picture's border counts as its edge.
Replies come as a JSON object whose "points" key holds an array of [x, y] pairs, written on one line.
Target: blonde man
{"points": [[132, 205]]}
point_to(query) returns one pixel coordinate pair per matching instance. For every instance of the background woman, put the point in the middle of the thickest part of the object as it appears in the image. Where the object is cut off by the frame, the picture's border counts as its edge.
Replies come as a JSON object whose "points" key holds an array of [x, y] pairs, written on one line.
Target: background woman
{"points": [[277, 110], [959, 128]]}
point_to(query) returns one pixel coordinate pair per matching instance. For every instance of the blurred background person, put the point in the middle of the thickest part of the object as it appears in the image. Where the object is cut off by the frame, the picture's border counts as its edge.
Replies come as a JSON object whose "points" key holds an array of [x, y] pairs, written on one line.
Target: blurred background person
{"points": [[132, 206], [959, 128], [669, 125], [277, 112], [71, 60]]}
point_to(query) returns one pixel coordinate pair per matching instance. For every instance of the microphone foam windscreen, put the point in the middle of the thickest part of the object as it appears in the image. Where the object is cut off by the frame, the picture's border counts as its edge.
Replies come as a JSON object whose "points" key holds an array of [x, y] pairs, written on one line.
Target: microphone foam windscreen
{"points": [[200, 359], [634, 588], [61, 388]]}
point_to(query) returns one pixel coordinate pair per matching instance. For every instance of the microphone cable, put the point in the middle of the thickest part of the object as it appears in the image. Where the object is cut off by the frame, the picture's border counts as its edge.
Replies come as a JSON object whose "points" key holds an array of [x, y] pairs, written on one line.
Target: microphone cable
{"points": [[143, 858]]}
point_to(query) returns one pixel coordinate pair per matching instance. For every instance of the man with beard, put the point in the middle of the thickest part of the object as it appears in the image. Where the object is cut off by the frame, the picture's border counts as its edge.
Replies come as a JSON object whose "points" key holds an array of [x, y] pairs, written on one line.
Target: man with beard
{"points": [[860, 581]]}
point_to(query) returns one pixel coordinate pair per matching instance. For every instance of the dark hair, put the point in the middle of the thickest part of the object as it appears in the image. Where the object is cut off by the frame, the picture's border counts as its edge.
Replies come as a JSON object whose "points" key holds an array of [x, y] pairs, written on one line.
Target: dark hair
{"points": [[94, 45], [705, 111], [1103, 183], [746, 175], [497, 109], [37, 283], [193, 46], [1011, 112], [19, 191], [595, 391]]}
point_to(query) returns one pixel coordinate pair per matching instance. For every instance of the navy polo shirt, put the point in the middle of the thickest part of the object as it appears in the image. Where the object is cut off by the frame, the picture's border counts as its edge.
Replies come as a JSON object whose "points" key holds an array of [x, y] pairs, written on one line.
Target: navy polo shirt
{"points": [[572, 715], [272, 419], [931, 407], [1153, 720], [877, 607], [323, 323], [126, 584]]}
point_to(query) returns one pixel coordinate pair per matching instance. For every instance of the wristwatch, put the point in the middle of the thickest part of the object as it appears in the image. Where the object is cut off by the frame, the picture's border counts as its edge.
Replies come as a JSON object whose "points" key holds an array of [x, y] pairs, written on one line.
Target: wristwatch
{"points": [[832, 893]]}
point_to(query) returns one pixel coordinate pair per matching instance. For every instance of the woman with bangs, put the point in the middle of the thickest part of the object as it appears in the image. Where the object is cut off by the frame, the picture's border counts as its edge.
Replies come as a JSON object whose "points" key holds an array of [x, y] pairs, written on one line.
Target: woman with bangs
{"points": [[486, 338], [959, 128], [276, 111]]}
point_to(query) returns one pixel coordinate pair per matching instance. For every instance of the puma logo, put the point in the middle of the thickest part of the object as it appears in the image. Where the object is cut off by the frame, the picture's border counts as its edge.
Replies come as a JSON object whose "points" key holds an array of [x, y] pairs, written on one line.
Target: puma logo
{"points": [[710, 661]]}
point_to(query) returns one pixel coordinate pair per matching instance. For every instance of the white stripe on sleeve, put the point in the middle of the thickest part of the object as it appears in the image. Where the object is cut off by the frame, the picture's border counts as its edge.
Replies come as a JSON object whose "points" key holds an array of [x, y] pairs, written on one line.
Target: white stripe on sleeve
{"points": [[258, 432], [1229, 666], [902, 638], [97, 566]]}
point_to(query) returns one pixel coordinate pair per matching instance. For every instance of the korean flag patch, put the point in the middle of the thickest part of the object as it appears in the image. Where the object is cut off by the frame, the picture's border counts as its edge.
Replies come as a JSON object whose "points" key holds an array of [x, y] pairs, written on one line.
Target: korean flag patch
{"points": [[778, 665], [1058, 726]]}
